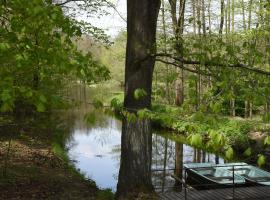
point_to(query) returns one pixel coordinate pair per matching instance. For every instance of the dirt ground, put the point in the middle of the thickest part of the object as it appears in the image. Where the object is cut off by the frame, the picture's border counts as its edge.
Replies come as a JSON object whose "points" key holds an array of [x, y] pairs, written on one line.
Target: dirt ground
{"points": [[36, 173]]}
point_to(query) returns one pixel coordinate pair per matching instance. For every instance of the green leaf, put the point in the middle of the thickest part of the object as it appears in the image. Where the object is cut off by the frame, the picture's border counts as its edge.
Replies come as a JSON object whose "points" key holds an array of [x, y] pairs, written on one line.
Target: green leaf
{"points": [[97, 104], [196, 140], [139, 93], [4, 46], [131, 117], [143, 113], [267, 140], [229, 153], [40, 107], [261, 160], [247, 152], [115, 103], [6, 96], [42, 98]]}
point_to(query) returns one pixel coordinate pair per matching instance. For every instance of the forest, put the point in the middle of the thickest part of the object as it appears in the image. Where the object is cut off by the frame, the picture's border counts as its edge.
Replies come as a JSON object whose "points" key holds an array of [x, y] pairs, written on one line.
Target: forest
{"points": [[87, 114]]}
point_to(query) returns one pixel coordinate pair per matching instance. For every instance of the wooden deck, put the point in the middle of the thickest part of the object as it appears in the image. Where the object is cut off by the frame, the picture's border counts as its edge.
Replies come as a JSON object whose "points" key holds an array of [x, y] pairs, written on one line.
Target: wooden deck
{"points": [[244, 193]]}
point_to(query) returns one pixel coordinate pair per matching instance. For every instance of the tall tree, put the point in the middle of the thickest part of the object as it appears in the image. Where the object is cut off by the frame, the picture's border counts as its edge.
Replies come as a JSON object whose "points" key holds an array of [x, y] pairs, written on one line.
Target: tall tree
{"points": [[141, 42], [136, 140], [178, 29]]}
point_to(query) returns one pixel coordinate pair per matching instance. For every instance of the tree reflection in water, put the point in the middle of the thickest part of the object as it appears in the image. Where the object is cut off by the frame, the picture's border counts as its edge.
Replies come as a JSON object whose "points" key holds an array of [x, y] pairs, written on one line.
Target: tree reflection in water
{"points": [[136, 153]]}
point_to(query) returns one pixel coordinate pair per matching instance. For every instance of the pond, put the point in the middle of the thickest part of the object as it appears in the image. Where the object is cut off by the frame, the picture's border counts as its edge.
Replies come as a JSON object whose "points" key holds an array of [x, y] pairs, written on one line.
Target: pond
{"points": [[96, 150]]}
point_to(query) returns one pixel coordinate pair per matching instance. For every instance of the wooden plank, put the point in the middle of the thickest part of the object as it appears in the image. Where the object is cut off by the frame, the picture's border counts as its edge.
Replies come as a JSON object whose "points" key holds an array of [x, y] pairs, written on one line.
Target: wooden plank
{"points": [[245, 193]]}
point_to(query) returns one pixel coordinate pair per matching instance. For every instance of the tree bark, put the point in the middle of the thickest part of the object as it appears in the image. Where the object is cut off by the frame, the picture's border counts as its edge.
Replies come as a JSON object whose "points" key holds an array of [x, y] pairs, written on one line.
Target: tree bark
{"points": [[141, 42], [135, 166], [136, 140], [244, 15], [178, 28], [178, 164]]}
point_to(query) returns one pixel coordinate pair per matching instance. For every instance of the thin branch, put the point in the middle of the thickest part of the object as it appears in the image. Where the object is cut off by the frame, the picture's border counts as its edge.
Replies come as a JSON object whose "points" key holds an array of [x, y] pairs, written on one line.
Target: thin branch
{"points": [[66, 2], [183, 67], [209, 63], [115, 9]]}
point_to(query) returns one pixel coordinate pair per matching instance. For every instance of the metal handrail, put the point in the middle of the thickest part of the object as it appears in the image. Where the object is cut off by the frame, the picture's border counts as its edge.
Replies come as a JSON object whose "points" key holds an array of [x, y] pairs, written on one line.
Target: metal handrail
{"points": [[232, 168]]}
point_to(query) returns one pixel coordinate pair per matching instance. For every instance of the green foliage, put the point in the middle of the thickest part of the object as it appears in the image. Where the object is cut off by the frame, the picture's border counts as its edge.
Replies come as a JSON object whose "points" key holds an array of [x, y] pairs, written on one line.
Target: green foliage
{"points": [[266, 118], [139, 93], [144, 114], [131, 117], [196, 140], [261, 160], [267, 140], [248, 152], [38, 56], [90, 118], [116, 104], [229, 153], [105, 195], [97, 104]]}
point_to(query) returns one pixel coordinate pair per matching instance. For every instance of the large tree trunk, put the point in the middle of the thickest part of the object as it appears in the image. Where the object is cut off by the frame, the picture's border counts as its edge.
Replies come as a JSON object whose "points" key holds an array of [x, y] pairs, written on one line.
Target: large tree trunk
{"points": [[135, 166], [141, 38], [136, 141]]}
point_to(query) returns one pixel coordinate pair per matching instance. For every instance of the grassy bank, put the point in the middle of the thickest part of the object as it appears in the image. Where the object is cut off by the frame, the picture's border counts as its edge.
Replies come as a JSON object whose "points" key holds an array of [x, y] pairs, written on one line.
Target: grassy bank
{"points": [[35, 165], [212, 131], [231, 137]]}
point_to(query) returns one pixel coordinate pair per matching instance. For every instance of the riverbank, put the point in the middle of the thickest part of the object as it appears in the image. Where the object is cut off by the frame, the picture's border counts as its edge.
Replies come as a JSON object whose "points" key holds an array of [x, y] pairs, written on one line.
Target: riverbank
{"points": [[34, 165], [214, 132]]}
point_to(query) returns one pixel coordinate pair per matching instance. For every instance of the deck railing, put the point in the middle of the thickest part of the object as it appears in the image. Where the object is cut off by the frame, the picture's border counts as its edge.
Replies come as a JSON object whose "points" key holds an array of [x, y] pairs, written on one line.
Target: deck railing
{"points": [[231, 184]]}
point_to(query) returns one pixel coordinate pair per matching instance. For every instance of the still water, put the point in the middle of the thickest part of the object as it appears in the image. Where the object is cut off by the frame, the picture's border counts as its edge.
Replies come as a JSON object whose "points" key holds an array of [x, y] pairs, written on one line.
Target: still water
{"points": [[95, 150]]}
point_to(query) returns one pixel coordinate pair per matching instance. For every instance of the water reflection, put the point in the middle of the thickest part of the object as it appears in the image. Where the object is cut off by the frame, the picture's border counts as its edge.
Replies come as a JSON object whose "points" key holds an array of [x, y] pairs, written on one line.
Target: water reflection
{"points": [[136, 153], [97, 152]]}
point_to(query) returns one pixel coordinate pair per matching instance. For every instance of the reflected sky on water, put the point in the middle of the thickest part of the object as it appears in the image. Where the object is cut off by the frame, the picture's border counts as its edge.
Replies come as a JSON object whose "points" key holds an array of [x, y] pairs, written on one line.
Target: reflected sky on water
{"points": [[95, 150]]}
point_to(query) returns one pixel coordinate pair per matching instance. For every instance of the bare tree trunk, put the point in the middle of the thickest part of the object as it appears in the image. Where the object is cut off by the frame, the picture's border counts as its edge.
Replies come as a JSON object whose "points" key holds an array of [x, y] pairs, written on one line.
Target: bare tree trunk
{"points": [[165, 51], [222, 17], [194, 16], [178, 27], [203, 18], [233, 5], [209, 16], [249, 13], [229, 15], [250, 110], [232, 102], [246, 109], [164, 165], [178, 164], [244, 15]]}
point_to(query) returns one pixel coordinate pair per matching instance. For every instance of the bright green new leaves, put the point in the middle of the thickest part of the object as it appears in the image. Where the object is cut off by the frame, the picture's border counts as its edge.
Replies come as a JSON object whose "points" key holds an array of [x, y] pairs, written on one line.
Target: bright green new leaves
{"points": [[139, 93], [261, 160], [267, 140], [248, 152], [38, 58], [229, 153], [144, 114], [196, 140], [217, 140], [116, 104]]}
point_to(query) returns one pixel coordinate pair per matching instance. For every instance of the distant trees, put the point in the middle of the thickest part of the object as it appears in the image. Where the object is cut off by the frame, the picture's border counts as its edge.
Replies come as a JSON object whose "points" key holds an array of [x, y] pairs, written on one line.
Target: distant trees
{"points": [[218, 57]]}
